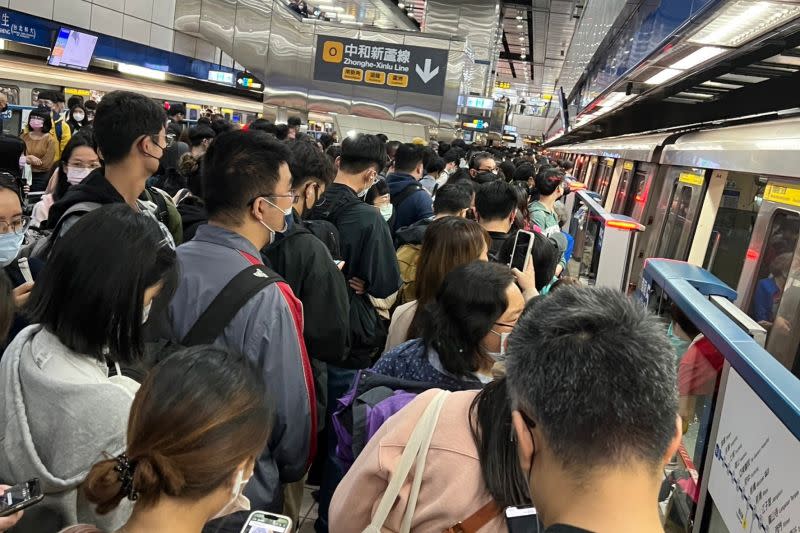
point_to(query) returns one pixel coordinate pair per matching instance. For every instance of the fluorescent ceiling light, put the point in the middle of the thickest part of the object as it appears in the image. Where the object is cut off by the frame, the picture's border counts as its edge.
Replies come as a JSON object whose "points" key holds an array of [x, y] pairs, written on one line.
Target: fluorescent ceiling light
{"points": [[718, 85], [136, 70], [663, 76], [743, 20], [698, 56], [702, 96]]}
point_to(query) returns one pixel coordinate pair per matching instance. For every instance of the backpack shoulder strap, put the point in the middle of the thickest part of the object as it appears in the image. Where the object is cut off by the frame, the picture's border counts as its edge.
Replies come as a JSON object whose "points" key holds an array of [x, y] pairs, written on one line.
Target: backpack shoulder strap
{"points": [[227, 303], [405, 194]]}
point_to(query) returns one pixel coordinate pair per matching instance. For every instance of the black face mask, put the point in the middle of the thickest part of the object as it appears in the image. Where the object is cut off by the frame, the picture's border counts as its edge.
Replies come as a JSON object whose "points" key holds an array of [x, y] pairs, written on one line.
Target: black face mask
{"points": [[485, 177]]}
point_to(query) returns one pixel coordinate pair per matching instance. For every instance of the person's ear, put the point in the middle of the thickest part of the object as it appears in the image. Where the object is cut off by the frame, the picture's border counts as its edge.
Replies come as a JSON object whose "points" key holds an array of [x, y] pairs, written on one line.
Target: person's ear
{"points": [[338, 162], [675, 443], [525, 445], [463, 213]]}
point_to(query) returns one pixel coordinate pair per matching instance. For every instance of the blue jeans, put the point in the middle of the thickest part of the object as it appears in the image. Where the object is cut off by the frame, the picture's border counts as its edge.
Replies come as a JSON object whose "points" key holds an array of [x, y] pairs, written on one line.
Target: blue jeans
{"points": [[339, 382]]}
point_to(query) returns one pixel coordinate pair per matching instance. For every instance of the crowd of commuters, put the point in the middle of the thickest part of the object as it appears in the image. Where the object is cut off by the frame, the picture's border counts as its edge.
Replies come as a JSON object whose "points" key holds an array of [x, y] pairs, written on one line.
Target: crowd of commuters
{"points": [[189, 313]]}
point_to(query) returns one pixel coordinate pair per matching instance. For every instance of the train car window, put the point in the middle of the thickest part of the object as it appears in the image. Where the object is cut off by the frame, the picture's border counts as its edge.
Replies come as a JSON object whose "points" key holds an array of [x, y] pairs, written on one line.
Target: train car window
{"points": [[11, 92], [684, 206], [733, 226], [700, 366], [605, 171], [622, 187], [775, 303], [637, 194]]}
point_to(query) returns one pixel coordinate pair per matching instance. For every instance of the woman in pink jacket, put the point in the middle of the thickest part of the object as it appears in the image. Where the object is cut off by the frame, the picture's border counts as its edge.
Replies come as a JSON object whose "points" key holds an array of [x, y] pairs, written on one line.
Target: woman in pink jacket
{"points": [[471, 471]]}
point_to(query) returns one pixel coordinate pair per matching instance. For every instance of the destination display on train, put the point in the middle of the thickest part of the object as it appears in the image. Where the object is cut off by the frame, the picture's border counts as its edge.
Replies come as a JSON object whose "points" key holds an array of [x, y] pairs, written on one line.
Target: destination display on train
{"points": [[379, 65]]}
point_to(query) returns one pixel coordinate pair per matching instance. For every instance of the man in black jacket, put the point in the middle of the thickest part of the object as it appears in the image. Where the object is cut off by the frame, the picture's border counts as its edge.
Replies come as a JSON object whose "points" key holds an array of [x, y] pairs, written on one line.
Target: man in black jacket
{"points": [[306, 264], [496, 206], [451, 201], [368, 252]]}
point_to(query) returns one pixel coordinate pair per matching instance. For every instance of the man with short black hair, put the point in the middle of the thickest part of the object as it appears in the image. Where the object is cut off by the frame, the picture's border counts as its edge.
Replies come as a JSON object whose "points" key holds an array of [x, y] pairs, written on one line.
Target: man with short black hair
{"points": [[61, 132], [131, 138], [483, 167], [369, 262], [410, 200], [451, 201], [248, 188], [496, 206], [586, 447], [177, 114], [294, 124]]}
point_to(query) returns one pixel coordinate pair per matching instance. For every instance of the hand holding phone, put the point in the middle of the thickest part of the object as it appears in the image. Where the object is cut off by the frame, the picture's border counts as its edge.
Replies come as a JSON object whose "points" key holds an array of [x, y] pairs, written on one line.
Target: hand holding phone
{"points": [[20, 497], [523, 244], [263, 522]]}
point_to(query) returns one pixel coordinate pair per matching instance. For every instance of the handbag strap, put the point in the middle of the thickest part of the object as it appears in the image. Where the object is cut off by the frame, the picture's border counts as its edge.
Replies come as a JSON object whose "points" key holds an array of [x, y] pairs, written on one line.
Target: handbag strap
{"points": [[420, 438], [477, 520]]}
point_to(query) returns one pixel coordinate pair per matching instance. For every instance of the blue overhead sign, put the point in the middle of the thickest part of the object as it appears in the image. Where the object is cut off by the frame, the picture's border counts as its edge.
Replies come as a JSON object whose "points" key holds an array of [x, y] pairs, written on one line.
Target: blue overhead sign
{"points": [[22, 28]]}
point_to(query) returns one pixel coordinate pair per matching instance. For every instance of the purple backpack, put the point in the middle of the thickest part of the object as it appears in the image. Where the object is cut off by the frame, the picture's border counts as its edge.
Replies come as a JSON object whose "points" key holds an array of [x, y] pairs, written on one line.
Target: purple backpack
{"points": [[371, 400]]}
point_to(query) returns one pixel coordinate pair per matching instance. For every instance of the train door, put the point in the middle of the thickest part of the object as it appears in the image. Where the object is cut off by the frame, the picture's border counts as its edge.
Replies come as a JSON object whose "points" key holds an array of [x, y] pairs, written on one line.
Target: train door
{"points": [[736, 214], [769, 286], [605, 170], [621, 190], [591, 170], [677, 212], [580, 167], [638, 204]]}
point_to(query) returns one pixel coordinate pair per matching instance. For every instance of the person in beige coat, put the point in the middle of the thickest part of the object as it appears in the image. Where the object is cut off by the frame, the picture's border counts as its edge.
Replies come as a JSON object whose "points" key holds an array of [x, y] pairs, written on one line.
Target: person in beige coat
{"points": [[453, 488]]}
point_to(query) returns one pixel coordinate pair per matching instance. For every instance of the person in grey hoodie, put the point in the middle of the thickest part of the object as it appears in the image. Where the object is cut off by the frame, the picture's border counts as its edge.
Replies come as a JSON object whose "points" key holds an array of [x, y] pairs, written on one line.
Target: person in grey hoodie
{"points": [[60, 412]]}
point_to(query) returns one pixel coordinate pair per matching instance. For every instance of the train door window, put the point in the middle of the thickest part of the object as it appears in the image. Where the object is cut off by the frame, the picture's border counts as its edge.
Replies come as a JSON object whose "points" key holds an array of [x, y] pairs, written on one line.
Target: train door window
{"points": [[605, 171], [637, 195], [700, 366], [733, 226], [11, 120], [683, 207], [775, 303], [622, 187]]}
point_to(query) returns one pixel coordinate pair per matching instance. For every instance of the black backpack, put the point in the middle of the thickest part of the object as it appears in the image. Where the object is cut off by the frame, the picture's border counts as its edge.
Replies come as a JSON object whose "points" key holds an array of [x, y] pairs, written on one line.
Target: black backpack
{"points": [[398, 199], [327, 233], [212, 322]]}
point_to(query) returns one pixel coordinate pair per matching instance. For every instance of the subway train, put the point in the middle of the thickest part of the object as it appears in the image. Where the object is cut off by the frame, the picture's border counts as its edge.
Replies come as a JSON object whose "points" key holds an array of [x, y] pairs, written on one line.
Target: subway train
{"points": [[724, 196], [22, 80]]}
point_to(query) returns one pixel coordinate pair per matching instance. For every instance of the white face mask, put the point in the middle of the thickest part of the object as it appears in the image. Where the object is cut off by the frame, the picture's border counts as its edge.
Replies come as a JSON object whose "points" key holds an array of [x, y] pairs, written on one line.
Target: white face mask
{"points": [[146, 312], [387, 211], [272, 232], [78, 117], [238, 501], [76, 175], [500, 357]]}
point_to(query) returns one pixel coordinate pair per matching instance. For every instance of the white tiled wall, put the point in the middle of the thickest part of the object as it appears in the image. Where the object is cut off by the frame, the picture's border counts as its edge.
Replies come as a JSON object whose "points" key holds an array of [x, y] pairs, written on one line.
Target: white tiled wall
{"points": [[73, 12], [148, 22], [106, 21]]}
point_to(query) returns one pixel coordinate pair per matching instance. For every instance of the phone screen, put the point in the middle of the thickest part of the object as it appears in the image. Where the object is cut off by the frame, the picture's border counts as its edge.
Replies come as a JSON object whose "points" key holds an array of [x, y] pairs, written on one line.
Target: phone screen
{"points": [[522, 520], [521, 248], [19, 494], [267, 523]]}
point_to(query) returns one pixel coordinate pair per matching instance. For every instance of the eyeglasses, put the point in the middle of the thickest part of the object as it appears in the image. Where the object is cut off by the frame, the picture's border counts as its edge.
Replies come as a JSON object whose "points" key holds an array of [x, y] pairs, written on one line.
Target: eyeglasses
{"points": [[292, 194], [528, 420], [17, 226], [90, 166]]}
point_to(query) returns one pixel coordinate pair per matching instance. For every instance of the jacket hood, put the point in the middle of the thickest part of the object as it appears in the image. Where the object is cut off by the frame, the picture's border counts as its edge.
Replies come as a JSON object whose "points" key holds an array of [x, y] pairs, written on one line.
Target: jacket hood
{"points": [[538, 206], [398, 181], [55, 429], [412, 234], [95, 188]]}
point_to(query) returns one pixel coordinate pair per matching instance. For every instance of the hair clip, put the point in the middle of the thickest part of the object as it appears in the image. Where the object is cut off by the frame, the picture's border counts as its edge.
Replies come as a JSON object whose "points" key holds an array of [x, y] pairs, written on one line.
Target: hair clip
{"points": [[125, 470]]}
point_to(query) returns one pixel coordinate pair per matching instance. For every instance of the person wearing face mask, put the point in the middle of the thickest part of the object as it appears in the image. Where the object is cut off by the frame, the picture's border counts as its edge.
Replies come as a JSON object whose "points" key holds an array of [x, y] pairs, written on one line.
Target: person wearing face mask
{"points": [[305, 259], [131, 137], [53, 104], [378, 196], [550, 186], [496, 206], [77, 118], [13, 224], [61, 411], [369, 261], [583, 447], [78, 160], [248, 195], [197, 425], [40, 147], [483, 167], [464, 332], [408, 196]]}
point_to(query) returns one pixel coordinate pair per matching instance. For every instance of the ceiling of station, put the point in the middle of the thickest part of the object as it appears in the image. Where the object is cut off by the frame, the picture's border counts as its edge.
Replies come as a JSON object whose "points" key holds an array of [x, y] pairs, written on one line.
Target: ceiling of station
{"points": [[379, 13], [536, 37]]}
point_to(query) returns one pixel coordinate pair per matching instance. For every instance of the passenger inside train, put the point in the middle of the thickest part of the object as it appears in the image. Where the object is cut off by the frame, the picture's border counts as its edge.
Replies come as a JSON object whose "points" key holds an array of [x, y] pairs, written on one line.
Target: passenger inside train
{"points": [[399, 266]]}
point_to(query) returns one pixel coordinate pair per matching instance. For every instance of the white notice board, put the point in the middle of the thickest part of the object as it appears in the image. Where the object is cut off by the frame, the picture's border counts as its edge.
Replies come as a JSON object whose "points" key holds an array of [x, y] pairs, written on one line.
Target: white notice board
{"points": [[755, 473]]}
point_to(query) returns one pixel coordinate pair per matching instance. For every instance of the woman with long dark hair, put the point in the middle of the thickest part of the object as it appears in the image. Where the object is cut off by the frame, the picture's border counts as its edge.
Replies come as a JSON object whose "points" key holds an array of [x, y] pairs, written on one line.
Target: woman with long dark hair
{"points": [[61, 410]]}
